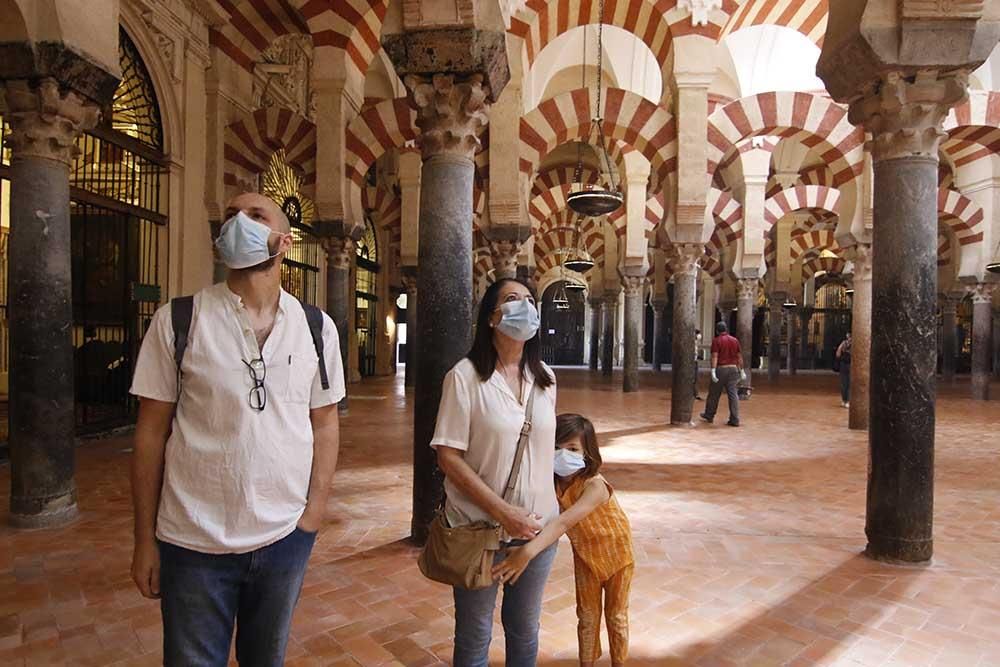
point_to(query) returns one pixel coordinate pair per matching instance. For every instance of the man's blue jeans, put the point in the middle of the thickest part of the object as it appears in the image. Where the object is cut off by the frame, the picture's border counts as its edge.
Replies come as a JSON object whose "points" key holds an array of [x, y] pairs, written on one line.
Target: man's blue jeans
{"points": [[204, 595], [522, 607]]}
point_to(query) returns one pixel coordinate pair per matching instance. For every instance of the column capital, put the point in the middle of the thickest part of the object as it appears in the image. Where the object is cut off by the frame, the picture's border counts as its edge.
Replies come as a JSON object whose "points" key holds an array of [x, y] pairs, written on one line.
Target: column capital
{"points": [[686, 256], [633, 285], [746, 288], [905, 115], [451, 113], [339, 251], [981, 292], [861, 257], [46, 121], [409, 281], [505, 253]]}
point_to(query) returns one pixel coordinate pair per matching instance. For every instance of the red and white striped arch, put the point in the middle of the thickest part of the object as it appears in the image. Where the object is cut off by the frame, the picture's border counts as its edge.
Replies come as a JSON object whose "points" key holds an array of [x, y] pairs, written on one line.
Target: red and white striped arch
{"points": [[804, 242], [944, 248], [789, 200], [549, 244], [252, 26], [814, 120], [628, 117], [808, 17], [351, 25], [832, 265], [817, 174], [973, 129], [382, 127], [250, 142], [727, 214], [652, 218], [386, 210], [962, 215], [560, 175]]}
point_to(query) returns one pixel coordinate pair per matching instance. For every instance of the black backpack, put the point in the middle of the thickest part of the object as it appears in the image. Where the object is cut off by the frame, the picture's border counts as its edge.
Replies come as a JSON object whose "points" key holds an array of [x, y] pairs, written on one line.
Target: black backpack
{"points": [[182, 310]]}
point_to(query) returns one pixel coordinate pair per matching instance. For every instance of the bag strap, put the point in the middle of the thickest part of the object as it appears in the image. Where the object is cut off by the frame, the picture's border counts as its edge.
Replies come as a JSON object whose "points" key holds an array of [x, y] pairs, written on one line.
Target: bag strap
{"points": [[522, 444], [314, 316], [181, 313]]}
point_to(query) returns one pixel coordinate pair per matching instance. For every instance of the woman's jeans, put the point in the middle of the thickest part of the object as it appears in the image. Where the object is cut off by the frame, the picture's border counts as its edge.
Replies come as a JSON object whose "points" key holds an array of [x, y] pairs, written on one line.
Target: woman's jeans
{"points": [[845, 381], [204, 595], [522, 607]]}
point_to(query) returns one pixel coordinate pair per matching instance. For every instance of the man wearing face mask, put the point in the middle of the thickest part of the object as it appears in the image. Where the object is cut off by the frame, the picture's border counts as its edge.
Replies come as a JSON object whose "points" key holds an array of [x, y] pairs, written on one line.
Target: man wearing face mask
{"points": [[235, 449]]}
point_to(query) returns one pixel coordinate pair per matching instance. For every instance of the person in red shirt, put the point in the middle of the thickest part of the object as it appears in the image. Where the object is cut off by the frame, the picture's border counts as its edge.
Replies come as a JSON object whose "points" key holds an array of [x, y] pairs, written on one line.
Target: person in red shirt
{"points": [[727, 371]]}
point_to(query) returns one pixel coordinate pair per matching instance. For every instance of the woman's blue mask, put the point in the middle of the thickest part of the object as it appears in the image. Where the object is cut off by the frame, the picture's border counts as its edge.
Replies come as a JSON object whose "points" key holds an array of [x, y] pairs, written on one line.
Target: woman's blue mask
{"points": [[242, 242], [520, 320]]}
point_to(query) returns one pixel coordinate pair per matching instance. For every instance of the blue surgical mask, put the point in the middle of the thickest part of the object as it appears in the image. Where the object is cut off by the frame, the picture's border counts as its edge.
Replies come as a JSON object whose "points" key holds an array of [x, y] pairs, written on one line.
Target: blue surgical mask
{"points": [[520, 320], [567, 463], [242, 242]]}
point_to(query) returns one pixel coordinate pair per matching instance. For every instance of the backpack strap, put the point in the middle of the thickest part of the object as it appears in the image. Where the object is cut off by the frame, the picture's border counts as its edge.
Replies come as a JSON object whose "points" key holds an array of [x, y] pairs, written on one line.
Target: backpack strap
{"points": [[314, 316], [181, 312]]}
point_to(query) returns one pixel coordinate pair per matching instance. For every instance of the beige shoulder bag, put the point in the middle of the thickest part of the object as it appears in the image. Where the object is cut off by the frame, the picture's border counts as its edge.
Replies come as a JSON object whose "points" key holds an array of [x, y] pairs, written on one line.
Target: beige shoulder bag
{"points": [[463, 556]]}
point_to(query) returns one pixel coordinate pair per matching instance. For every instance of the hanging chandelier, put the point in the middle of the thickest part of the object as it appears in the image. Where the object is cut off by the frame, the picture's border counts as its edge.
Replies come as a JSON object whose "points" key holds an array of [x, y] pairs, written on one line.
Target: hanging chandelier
{"points": [[579, 259], [595, 200]]}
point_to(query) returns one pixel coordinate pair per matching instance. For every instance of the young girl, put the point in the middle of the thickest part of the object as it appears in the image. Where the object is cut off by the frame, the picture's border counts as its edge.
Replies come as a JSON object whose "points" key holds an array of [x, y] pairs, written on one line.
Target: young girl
{"points": [[601, 538]]}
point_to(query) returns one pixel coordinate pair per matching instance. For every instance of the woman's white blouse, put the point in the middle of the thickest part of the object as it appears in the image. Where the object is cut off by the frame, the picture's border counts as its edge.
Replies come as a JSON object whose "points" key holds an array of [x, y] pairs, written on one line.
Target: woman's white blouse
{"points": [[484, 419]]}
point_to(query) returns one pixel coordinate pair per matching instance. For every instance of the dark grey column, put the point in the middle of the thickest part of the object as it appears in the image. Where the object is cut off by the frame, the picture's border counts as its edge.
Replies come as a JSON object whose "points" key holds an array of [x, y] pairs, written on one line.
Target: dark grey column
{"points": [[904, 295], [996, 342], [746, 299], [861, 338], [805, 316], [685, 267], [793, 342], [659, 334], [949, 337], [340, 254], [410, 283], [45, 121], [633, 320], [608, 337], [775, 319], [982, 313], [596, 323]]}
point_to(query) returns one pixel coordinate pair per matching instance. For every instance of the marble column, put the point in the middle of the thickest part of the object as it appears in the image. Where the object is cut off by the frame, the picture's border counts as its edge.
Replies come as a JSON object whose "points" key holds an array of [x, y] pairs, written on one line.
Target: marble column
{"points": [[776, 316], [451, 113], [861, 338], [410, 285], [685, 265], [596, 323], [340, 253], [659, 333], [746, 299], [792, 353], [949, 337], [45, 121], [982, 313], [996, 342], [608, 338], [505, 253], [633, 321], [805, 317], [905, 119]]}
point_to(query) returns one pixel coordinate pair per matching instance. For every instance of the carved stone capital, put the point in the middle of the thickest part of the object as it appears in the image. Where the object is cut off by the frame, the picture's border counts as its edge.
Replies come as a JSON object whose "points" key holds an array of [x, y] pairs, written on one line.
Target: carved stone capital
{"points": [[633, 286], [746, 288], [982, 292], [505, 253], [700, 9], [339, 251], [949, 302], [905, 115], [46, 121], [686, 256], [861, 256], [941, 9], [450, 113]]}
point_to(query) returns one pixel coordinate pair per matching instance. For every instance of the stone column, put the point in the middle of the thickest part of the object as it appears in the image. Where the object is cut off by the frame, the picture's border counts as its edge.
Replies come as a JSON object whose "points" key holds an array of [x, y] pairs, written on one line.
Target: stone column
{"points": [[340, 253], [633, 320], [949, 336], [45, 122], [608, 337], [805, 317], [505, 253], [996, 342], [982, 313], [685, 322], [596, 323], [905, 119], [792, 354], [410, 285], [861, 338], [451, 113], [746, 299], [659, 333], [775, 318]]}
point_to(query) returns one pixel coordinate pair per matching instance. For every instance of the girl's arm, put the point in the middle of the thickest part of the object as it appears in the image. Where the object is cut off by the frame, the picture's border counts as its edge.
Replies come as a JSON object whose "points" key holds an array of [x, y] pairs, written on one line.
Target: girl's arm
{"points": [[595, 494]]}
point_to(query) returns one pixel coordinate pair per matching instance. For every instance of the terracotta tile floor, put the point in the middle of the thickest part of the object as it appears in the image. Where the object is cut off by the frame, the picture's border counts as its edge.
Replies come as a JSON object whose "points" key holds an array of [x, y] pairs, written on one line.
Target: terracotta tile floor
{"points": [[748, 546]]}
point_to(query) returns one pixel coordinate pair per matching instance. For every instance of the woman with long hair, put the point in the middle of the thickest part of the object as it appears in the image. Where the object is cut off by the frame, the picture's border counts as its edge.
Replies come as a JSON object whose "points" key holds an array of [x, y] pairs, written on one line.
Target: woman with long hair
{"points": [[483, 404]]}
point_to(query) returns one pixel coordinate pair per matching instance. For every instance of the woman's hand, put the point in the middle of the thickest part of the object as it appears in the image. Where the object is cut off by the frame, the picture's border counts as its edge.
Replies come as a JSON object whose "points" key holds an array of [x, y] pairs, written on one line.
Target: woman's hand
{"points": [[510, 569], [519, 523]]}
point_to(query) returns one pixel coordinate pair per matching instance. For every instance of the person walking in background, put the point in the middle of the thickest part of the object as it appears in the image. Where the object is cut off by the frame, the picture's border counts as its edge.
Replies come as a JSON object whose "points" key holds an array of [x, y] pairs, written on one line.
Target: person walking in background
{"points": [[844, 364], [727, 371]]}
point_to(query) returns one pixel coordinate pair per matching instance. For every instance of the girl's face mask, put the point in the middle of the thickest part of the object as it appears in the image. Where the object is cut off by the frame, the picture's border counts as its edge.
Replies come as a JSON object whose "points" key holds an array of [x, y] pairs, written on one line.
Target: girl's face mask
{"points": [[519, 320], [567, 463], [242, 242]]}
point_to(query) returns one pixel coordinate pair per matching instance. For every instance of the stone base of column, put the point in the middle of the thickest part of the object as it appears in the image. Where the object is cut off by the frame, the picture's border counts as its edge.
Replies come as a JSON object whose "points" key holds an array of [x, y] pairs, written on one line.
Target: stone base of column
{"points": [[889, 550], [30, 513]]}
